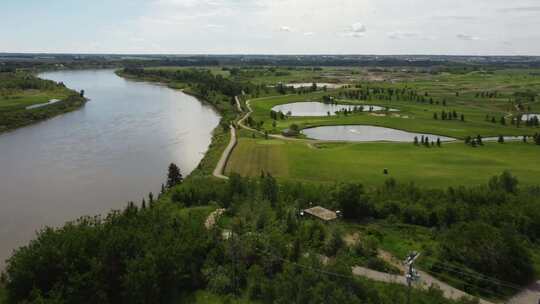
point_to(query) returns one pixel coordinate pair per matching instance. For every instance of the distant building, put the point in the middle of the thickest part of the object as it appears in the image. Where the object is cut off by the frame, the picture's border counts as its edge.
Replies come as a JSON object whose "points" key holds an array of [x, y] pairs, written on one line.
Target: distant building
{"points": [[321, 213]]}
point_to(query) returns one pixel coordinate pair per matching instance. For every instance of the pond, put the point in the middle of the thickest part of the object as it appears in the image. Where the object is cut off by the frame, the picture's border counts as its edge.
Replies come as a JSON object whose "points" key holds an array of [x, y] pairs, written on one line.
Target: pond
{"points": [[526, 117], [319, 85], [315, 108], [114, 149], [358, 133]]}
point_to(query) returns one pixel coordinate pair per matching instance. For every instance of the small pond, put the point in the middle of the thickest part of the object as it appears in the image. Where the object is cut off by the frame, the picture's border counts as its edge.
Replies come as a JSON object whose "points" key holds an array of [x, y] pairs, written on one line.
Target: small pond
{"points": [[526, 117], [366, 134], [319, 85], [314, 108], [506, 138]]}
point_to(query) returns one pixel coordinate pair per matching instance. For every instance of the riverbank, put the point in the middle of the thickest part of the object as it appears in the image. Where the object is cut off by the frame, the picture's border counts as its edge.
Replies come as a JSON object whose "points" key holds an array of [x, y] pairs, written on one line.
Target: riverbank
{"points": [[221, 135], [21, 93]]}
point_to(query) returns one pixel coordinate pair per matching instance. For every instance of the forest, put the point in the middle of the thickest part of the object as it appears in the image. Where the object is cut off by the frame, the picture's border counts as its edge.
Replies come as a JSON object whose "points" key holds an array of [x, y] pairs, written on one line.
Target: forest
{"points": [[262, 250]]}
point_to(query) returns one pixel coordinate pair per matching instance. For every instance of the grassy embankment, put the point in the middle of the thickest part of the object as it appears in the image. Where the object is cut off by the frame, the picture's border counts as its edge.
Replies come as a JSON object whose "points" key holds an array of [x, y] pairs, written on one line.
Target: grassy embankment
{"points": [[20, 90]]}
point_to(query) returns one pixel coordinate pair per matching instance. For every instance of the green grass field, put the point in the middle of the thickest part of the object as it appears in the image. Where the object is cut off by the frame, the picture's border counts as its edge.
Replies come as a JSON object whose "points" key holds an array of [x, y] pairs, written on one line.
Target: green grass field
{"points": [[451, 165], [23, 99], [411, 117]]}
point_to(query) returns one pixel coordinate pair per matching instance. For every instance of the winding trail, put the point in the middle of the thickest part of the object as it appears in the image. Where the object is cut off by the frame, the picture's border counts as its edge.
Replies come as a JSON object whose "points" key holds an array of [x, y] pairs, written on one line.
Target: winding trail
{"points": [[212, 218], [219, 171]]}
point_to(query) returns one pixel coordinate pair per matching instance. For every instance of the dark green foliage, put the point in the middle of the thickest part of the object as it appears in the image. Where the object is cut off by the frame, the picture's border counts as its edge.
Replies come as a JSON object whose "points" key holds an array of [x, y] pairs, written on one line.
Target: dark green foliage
{"points": [[349, 198], [273, 255], [505, 182], [495, 252], [174, 177], [134, 256], [536, 138], [198, 191]]}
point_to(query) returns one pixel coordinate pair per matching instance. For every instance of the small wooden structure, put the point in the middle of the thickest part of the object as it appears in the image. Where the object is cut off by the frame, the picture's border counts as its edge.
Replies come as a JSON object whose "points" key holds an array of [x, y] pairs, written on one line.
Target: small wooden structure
{"points": [[321, 213]]}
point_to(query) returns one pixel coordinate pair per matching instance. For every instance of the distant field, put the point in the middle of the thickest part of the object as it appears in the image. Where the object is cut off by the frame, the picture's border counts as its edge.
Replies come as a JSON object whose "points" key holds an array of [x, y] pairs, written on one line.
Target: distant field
{"points": [[419, 117], [452, 165]]}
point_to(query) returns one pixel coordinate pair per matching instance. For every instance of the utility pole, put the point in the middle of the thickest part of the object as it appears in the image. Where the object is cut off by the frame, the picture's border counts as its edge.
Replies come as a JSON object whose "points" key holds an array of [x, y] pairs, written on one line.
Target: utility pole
{"points": [[411, 275]]}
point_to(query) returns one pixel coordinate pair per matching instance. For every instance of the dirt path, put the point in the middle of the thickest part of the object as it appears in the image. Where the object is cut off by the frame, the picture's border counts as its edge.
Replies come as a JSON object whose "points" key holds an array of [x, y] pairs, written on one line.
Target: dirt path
{"points": [[238, 106], [212, 217], [220, 167], [531, 295], [379, 276]]}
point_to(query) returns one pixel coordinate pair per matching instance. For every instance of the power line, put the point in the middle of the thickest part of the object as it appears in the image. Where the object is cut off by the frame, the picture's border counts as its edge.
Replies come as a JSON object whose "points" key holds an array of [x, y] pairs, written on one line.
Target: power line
{"points": [[494, 294], [478, 276]]}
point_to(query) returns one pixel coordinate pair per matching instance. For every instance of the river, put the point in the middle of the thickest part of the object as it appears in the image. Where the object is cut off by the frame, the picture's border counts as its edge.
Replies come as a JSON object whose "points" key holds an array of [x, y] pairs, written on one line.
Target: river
{"points": [[113, 150]]}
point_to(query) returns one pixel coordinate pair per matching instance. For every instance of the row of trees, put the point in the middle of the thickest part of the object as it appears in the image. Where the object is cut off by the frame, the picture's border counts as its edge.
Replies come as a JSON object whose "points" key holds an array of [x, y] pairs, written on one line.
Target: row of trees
{"points": [[424, 140], [279, 115], [449, 115]]}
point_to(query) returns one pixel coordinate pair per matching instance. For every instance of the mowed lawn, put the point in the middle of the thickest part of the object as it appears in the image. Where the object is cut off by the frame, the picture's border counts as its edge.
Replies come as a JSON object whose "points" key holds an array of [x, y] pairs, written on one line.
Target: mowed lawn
{"points": [[453, 164], [23, 99]]}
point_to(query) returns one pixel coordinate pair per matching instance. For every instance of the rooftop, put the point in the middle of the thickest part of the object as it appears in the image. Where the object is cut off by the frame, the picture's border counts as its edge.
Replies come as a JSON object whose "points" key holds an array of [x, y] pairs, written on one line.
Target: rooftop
{"points": [[322, 213]]}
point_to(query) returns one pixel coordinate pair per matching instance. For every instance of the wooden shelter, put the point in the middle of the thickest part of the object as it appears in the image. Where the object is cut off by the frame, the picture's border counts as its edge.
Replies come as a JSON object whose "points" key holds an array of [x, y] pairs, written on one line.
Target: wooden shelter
{"points": [[321, 213]]}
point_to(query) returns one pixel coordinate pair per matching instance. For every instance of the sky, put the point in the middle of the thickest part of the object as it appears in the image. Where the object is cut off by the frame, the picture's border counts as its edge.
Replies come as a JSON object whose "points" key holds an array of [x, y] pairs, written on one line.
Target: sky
{"points": [[445, 27]]}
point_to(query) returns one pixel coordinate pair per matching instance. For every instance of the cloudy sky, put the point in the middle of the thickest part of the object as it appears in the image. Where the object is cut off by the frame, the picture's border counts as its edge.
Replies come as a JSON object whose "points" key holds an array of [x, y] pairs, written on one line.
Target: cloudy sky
{"points": [[472, 27]]}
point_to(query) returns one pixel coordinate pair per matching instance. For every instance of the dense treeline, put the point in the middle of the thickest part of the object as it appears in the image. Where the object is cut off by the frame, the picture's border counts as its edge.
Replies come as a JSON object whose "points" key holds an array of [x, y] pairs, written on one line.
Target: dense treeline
{"points": [[203, 80], [134, 256], [511, 215], [265, 250], [11, 82]]}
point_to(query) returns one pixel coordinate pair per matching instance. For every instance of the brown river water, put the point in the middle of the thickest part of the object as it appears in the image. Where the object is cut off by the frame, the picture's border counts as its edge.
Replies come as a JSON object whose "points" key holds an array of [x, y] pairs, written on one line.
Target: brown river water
{"points": [[113, 150]]}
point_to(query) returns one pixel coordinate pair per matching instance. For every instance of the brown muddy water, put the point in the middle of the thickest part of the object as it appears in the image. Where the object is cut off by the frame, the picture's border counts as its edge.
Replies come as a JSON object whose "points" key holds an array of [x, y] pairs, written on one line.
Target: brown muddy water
{"points": [[113, 150]]}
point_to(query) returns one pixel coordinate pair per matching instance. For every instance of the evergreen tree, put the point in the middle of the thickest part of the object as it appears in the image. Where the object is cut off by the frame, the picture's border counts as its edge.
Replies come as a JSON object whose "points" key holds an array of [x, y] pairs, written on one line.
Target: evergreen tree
{"points": [[462, 117], [435, 116], [174, 177], [501, 139], [150, 198], [143, 204], [162, 192]]}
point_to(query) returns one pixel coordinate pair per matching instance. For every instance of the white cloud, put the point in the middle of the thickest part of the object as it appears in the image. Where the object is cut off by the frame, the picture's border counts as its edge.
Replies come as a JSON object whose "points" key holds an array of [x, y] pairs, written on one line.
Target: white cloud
{"points": [[402, 35], [356, 29], [527, 9], [467, 37], [285, 28], [214, 26], [272, 26]]}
